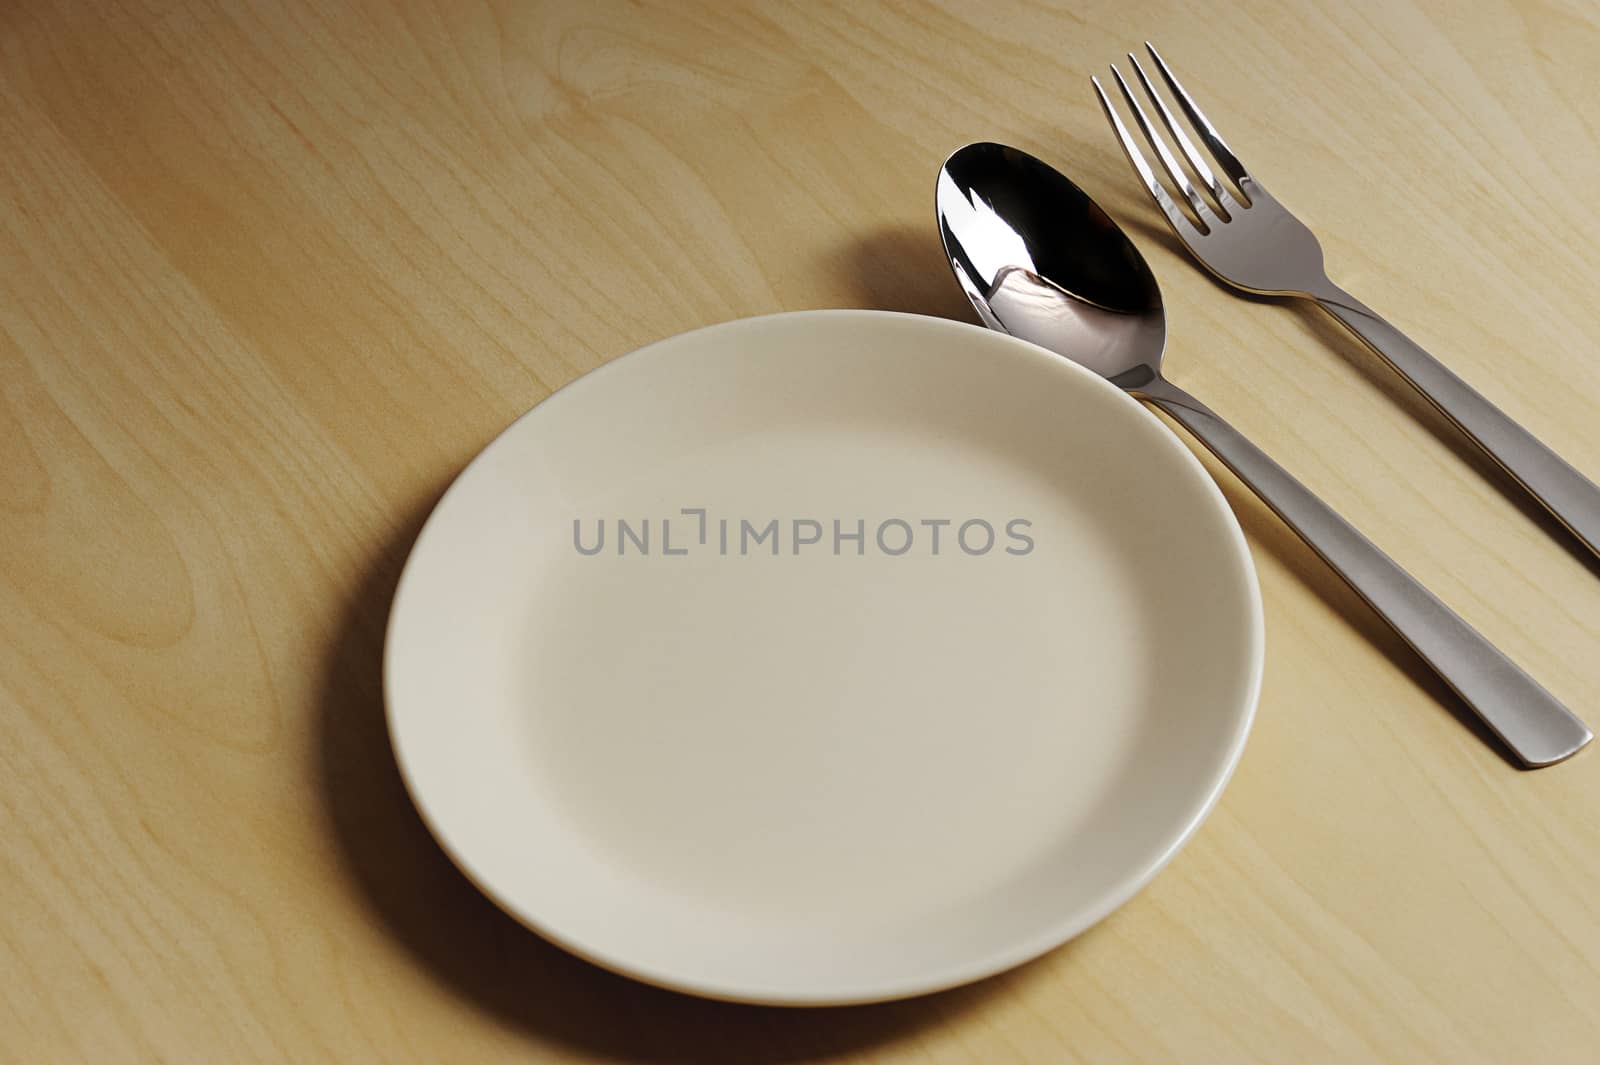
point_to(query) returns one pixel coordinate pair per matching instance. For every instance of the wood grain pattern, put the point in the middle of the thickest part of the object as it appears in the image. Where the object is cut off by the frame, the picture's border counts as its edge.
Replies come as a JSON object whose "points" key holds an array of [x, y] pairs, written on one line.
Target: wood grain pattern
{"points": [[275, 270]]}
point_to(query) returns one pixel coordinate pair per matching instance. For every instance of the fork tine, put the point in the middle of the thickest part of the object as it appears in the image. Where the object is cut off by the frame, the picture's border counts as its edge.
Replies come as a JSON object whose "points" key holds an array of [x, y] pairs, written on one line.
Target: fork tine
{"points": [[1202, 125], [1169, 163], [1158, 192], [1197, 162]]}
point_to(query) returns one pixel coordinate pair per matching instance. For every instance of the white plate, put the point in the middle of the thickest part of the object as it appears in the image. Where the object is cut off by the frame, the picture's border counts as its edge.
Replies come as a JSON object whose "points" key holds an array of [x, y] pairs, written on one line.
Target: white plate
{"points": [[811, 777]]}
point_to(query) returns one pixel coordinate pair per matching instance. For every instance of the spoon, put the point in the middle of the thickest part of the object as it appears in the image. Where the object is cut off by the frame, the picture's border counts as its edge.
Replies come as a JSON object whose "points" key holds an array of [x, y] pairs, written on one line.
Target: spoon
{"points": [[1041, 261]]}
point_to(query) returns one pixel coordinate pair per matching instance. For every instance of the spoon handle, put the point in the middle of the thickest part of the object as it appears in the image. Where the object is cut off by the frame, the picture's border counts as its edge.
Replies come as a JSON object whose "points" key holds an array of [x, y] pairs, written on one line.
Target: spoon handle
{"points": [[1571, 497], [1531, 722]]}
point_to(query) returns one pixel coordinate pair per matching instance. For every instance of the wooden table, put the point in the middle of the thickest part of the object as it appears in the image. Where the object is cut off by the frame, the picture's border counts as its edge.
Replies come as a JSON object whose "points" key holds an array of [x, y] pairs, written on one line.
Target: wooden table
{"points": [[275, 271]]}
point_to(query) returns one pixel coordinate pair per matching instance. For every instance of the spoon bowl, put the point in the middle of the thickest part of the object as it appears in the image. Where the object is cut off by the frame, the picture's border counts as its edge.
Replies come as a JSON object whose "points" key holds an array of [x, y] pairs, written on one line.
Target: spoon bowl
{"points": [[1040, 260]]}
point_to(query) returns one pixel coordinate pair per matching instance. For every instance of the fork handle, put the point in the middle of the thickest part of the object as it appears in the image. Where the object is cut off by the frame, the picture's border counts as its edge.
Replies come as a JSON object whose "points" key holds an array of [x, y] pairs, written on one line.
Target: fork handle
{"points": [[1538, 730], [1571, 497]]}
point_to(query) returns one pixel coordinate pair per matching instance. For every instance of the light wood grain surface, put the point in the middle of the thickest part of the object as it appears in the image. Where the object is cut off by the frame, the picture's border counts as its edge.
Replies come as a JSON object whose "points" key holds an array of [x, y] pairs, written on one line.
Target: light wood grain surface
{"points": [[274, 271]]}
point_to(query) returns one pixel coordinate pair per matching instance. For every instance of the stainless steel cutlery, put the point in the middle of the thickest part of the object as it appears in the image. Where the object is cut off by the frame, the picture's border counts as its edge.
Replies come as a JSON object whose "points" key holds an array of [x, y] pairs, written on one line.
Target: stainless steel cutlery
{"points": [[1040, 260], [1242, 234]]}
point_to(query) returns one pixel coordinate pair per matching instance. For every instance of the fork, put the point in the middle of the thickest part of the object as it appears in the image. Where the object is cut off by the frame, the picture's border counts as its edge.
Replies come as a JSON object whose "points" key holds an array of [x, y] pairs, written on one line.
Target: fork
{"points": [[1250, 241]]}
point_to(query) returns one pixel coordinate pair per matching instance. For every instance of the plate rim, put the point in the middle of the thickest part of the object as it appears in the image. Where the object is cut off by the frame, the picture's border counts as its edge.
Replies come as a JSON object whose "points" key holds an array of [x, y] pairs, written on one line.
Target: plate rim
{"points": [[984, 964]]}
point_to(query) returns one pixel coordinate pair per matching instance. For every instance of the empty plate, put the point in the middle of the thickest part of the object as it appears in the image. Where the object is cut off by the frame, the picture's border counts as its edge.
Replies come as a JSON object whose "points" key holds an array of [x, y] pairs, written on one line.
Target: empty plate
{"points": [[825, 657]]}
